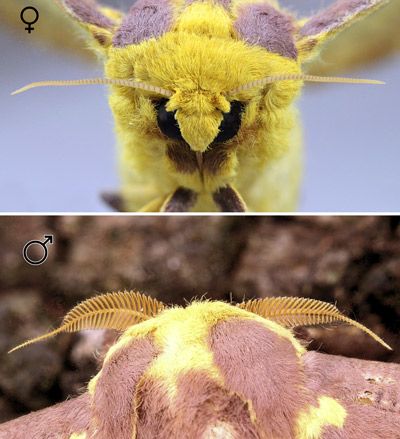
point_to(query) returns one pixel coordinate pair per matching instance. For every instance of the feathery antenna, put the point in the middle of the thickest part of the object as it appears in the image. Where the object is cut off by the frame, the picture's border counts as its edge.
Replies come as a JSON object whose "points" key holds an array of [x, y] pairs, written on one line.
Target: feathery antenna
{"points": [[123, 309], [95, 81], [107, 311], [299, 311]]}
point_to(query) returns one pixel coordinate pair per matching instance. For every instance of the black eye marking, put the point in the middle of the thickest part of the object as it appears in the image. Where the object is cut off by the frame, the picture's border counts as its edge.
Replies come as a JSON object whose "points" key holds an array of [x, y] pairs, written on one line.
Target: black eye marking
{"points": [[228, 128], [230, 124], [166, 121]]}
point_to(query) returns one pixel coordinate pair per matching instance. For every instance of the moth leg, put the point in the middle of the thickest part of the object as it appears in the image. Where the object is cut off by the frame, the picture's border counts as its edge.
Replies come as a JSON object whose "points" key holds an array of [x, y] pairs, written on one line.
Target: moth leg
{"points": [[113, 200], [229, 200], [182, 200], [154, 205]]}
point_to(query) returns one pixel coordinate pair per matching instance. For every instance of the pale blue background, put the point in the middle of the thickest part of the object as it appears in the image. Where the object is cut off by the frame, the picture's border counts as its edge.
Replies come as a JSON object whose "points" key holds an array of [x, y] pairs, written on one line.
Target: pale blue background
{"points": [[58, 147]]}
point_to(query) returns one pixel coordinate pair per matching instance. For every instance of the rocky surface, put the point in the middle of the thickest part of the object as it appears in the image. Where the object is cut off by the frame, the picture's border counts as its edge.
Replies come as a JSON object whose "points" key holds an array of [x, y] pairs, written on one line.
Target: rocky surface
{"points": [[354, 261]]}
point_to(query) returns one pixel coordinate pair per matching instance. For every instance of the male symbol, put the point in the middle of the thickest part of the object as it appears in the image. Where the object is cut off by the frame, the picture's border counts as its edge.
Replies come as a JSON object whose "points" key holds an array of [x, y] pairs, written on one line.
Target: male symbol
{"points": [[30, 260]]}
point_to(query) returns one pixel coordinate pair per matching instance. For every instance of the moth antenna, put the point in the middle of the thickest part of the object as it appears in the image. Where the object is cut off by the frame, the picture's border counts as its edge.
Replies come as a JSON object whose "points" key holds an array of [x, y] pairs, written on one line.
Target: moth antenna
{"points": [[299, 311], [108, 311], [302, 77], [96, 81]]}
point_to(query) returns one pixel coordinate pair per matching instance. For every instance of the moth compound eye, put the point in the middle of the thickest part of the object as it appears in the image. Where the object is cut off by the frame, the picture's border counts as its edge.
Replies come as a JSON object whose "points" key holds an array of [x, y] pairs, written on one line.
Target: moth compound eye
{"points": [[230, 124], [166, 121]]}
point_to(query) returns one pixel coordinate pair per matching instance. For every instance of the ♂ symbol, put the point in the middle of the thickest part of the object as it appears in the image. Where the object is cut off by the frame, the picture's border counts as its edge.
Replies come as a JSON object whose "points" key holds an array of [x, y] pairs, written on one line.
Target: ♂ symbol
{"points": [[29, 23], [40, 246]]}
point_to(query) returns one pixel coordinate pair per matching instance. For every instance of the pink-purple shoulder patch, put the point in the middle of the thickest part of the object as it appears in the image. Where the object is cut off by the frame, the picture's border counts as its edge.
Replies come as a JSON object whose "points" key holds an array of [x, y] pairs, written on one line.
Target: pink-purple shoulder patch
{"points": [[263, 368], [335, 15], [199, 407], [265, 26], [87, 11], [146, 19], [114, 404], [224, 3]]}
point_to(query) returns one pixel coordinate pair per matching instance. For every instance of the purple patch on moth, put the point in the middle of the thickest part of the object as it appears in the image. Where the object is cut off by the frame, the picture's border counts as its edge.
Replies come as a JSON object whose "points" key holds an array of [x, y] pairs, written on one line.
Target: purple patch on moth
{"points": [[146, 19], [87, 11], [335, 15], [369, 391], [224, 3], [263, 368], [60, 420], [114, 404], [263, 25]]}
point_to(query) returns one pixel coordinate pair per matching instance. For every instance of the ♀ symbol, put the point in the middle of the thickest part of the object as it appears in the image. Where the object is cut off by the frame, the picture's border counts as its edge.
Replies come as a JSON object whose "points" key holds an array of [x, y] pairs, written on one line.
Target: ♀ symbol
{"points": [[29, 23]]}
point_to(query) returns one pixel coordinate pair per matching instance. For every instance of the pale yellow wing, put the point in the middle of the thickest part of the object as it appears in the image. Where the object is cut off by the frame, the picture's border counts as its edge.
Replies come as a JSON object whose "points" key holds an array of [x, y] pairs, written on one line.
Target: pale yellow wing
{"points": [[365, 42], [53, 29]]}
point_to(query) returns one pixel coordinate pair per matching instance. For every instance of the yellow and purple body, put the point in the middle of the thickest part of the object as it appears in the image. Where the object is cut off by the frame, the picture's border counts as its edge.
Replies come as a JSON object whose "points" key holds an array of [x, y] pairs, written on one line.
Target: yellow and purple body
{"points": [[213, 370], [210, 142]]}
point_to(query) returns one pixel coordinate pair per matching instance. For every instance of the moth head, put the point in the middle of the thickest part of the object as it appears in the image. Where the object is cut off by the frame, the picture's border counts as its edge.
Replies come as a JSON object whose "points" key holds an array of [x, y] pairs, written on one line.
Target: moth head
{"points": [[209, 70], [199, 118], [194, 53]]}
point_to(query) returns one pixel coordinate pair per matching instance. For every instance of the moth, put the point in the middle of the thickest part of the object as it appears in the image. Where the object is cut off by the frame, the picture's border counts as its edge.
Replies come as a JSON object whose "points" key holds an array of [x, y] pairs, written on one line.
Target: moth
{"points": [[216, 370], [203, 96]]}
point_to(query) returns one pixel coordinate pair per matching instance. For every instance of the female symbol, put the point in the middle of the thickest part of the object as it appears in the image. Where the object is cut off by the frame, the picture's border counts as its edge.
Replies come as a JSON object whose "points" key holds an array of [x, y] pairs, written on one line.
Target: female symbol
{"points": [[29, 23]]}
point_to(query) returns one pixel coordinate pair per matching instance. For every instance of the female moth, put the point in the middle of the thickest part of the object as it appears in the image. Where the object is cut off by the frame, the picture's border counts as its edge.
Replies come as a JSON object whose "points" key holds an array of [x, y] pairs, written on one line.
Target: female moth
{"points": [[214, 370], [203, 97]]}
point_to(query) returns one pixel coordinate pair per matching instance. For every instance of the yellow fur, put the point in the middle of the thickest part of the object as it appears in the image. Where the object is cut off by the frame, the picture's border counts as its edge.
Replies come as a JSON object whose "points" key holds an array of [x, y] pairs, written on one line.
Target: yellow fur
{"points": [[174, 61], [92, 384], [200, 59], [310, 423], [78, 436]]}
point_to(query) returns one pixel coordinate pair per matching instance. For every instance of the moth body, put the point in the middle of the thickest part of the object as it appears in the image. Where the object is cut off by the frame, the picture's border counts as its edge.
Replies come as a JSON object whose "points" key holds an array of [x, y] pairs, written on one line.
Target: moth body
{"points": [[213, 370], [203, 96]]}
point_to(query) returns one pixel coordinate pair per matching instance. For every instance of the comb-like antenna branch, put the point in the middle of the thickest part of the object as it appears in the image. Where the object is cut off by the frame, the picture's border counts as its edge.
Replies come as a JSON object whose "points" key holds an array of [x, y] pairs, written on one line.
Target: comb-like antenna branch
{"points": [[107, 311], [96, 81], [299, 311], [302, 77]]}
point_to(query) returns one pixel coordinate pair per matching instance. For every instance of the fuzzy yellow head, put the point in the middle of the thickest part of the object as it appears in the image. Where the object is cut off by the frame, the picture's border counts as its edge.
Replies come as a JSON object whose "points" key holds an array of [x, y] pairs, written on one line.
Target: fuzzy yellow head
{"points": [[199, 136], [200, 60]]}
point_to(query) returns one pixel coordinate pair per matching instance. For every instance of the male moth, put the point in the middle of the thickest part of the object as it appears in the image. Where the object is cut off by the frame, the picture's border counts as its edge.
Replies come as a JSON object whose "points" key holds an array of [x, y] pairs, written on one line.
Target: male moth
{"points": [[215, 370], [203, 92]]}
